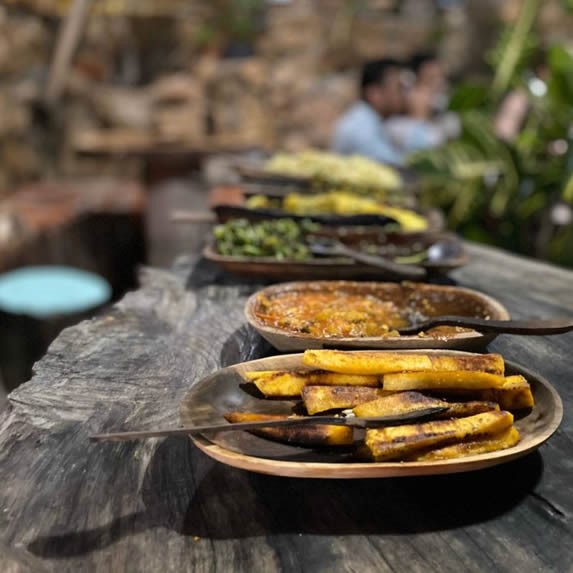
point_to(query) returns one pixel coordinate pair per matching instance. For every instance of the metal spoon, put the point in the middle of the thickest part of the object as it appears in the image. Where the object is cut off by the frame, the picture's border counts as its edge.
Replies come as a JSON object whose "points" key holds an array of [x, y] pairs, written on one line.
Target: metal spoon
{"points": [[351, 421], [436, 253], [537, 327], [442, 250], [336, 248]]}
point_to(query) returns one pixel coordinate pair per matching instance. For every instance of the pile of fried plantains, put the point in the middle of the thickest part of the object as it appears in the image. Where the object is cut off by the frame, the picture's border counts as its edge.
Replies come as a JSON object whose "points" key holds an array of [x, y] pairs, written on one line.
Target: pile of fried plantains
{"points": [[478, 396]]}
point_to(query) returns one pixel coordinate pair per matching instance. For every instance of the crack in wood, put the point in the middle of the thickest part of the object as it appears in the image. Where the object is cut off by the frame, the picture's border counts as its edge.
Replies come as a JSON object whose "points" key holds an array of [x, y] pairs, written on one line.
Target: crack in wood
{"points": [[551, 507]]}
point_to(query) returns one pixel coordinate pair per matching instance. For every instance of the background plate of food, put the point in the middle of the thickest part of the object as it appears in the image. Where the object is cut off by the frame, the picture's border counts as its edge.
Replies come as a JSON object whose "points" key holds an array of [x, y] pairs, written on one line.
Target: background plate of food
{"points": [[319, 169], [283, 250], [333, 207]]}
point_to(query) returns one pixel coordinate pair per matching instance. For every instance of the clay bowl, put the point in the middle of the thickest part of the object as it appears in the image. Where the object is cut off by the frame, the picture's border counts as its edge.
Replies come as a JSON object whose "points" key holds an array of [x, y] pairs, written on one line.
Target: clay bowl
{"points": [[431, 300]]}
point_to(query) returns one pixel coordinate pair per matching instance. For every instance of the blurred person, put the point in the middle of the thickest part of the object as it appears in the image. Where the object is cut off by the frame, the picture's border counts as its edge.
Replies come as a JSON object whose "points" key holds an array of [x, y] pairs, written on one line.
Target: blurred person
{"points": [[430, 76], [362, 129], [426, 124]]}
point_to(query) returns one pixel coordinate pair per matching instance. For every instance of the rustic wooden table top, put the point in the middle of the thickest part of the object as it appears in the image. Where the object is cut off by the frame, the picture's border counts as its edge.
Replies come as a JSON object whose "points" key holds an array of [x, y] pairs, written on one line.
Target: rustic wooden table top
{"points": [[67, 504]]}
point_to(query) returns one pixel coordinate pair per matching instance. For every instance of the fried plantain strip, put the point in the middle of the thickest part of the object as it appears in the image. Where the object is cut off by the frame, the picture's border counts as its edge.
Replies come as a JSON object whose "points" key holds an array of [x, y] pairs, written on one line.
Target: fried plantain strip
{"points": [[464, 409], [400, 442], [389, 362], [395, 404], [287, 383], [499, 441], [319, 435], [442, 381], [514, 394], [406, 402], [322, 398]]}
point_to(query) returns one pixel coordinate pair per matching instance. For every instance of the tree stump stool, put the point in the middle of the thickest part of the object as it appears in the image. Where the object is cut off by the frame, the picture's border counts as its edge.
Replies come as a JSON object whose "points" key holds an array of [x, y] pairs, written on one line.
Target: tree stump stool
{"points": [[36, 303]]}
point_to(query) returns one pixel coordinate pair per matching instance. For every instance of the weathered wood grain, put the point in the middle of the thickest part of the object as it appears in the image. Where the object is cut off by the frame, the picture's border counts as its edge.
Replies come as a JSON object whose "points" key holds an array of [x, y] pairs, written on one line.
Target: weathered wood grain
{"points": [[67, 504]]}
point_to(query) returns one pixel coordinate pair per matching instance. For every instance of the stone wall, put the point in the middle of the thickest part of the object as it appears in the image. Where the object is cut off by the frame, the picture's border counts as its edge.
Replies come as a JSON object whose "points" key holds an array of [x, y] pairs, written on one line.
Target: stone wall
{"points": [[161, 72]]}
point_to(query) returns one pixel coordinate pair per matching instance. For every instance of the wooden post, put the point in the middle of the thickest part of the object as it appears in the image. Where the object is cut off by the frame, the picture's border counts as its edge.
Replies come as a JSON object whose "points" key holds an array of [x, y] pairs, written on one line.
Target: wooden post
{"points": [[68, 39]]}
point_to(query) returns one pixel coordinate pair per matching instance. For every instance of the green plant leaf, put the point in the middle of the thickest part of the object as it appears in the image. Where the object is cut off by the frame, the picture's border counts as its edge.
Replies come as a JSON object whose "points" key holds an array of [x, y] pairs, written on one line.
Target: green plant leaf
{"points": [[468, 96], [513, 48], [567, 193], [561, 82]]}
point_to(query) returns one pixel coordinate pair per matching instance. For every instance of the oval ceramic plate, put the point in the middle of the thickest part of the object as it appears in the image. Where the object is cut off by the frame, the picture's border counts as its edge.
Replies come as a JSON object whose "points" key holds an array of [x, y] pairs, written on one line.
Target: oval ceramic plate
{"points": [[318, 268], [444, 299], [224, 391], [229, 202], [257, 173]]}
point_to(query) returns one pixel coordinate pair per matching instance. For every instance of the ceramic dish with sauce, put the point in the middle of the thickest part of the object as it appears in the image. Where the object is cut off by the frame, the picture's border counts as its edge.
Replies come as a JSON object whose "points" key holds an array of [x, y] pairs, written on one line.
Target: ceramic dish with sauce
{"points": [[345, 314]]}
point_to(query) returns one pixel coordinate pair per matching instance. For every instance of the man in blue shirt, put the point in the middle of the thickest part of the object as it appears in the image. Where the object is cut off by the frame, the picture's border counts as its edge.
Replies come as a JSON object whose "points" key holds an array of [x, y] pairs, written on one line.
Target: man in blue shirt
{"points": [[361, 129]]}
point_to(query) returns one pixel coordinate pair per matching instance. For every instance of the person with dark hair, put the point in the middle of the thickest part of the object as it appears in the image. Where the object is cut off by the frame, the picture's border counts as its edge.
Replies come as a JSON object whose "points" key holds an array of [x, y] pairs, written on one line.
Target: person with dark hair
{"points": [[430, 76], [361, 129], [426, 123], [427, 67], [420, 59]]}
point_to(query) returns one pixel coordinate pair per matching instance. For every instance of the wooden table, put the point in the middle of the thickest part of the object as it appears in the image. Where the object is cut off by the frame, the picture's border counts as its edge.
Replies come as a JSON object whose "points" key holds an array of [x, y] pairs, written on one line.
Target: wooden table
{"points": [[70, 505]]}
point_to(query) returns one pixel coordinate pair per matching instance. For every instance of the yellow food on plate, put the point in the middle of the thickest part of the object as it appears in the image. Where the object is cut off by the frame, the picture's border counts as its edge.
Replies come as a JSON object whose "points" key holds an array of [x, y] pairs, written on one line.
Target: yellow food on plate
{"points": [[344, 203], [471, 408], [322, 398], [399, 442], [514, 394], [473, 397], [396, 404], [499, 441], [410, 402], [393, 362], [353, 170], [468, 380], [319, 435], [277, 383]]}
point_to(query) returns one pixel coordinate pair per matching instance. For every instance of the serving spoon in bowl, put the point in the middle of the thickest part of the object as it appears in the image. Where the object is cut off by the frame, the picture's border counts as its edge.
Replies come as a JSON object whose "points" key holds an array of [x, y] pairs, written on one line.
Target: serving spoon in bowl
{"points": [[537, 327], [330, 248]]}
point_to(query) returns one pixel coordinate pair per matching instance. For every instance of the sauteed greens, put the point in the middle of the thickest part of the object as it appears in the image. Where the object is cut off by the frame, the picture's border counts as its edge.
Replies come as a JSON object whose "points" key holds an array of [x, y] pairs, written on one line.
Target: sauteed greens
{"points": [[280, 238]]}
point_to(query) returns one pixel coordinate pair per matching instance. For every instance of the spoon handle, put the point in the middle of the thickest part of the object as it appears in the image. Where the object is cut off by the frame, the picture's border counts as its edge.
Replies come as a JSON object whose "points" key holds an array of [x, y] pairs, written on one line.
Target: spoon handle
{"points": [[398, 269], [537, 327]]}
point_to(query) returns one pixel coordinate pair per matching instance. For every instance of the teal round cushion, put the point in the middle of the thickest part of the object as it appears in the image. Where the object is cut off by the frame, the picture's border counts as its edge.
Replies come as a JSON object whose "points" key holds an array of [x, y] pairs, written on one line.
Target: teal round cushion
{"points": [[48, 291]]}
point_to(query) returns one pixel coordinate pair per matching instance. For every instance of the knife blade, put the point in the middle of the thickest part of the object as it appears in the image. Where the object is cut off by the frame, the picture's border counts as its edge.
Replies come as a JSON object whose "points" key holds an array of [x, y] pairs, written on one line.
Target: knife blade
{"points": [[352, 421]]}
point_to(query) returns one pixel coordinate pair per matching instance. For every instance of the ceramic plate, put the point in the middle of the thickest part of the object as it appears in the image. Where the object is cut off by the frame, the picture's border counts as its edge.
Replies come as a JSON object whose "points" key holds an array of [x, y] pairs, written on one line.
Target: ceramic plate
{"points": [[224, 391], [338, 268]]}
